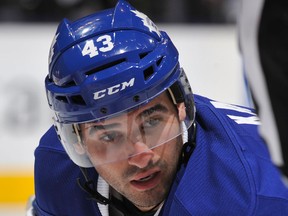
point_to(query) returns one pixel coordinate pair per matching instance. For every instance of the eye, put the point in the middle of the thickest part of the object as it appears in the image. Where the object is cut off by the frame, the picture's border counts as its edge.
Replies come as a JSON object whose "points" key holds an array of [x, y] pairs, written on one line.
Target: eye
{"points": [[151, 123], [112, 137]]}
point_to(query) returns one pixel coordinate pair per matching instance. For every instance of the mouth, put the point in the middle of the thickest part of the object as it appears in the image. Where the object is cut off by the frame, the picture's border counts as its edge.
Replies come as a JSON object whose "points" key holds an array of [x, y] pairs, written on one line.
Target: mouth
{"points": [[146, 181]]}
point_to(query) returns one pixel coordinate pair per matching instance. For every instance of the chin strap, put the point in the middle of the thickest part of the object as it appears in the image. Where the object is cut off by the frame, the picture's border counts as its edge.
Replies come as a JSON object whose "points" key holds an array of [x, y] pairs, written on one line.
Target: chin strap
{"points": [[89, 187]]}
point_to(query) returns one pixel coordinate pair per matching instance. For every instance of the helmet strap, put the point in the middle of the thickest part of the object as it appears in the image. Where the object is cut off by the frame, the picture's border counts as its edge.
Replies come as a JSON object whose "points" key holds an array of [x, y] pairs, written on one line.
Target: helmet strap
{"points": [[189, 146], [89, 187]]}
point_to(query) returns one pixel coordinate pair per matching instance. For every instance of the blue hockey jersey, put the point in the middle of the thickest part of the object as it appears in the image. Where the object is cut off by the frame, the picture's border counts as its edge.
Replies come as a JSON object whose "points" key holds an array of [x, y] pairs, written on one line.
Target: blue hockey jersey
{"points": [[229, 172]]}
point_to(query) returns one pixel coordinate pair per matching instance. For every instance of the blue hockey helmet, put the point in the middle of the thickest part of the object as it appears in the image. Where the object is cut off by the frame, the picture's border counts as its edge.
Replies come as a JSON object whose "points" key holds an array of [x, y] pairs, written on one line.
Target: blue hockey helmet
{"points": [[108, 63]]}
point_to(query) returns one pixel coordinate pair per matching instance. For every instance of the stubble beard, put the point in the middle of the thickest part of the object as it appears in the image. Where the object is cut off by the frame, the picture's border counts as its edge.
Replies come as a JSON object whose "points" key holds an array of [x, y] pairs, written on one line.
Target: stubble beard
{"points": [[153, 197]]}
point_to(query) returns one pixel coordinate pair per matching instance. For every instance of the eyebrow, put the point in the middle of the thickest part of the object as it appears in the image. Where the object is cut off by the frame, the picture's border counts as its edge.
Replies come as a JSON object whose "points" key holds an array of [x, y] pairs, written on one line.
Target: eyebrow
{"points": [[104, 127], [153, 109], [145, 113]]}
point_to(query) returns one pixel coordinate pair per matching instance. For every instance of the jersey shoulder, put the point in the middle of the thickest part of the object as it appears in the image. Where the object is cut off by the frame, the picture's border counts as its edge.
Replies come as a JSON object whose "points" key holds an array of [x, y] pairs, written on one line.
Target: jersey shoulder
{"points": [[230, 169], [55, 178]]}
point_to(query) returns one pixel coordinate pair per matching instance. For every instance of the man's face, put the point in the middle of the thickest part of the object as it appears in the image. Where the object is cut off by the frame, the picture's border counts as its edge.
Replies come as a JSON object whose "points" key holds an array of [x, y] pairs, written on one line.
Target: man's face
{"points": [[145, 172]]}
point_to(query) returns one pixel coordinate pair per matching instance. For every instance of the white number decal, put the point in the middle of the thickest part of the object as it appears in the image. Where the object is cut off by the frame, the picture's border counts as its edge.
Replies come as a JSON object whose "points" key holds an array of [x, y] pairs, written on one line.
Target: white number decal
{"points": [[107, 44], [92, 50]]}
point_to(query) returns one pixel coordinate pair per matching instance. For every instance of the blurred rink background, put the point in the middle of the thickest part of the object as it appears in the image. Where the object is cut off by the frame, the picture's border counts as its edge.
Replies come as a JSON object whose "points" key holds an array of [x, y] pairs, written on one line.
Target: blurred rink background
{"points": [[203, 30]]}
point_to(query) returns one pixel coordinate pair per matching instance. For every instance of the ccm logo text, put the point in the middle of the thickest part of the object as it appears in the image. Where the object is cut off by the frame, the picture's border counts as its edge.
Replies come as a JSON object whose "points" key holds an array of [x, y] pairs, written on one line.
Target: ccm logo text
{"points": [[113, 89]]}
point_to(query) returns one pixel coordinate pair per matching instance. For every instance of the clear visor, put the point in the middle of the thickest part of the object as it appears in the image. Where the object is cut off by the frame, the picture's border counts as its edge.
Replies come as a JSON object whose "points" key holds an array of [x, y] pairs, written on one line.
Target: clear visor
{"points": [[125, 135]]}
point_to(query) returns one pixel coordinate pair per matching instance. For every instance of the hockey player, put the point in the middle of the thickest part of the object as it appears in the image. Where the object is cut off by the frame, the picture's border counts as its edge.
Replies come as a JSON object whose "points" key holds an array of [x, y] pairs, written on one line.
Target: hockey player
{"points": [[132, 140]]}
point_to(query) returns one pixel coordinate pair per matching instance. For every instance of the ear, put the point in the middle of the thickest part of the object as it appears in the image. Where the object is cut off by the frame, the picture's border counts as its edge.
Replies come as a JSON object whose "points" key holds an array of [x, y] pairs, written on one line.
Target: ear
{"points": [[181, 111], [79, 149]]}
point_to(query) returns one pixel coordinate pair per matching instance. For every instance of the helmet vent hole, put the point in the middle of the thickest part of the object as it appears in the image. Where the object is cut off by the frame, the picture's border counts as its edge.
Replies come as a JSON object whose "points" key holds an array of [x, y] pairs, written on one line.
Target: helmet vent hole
{"points": [[62, 99], [159, 61], [105, 66], [142, 55], [77, 99], [148, 72], [69, 84]]}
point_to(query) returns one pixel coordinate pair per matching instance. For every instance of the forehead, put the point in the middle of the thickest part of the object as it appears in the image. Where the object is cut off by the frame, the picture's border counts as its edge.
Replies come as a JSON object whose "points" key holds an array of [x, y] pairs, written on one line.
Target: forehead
{"points": [[162, 99]]}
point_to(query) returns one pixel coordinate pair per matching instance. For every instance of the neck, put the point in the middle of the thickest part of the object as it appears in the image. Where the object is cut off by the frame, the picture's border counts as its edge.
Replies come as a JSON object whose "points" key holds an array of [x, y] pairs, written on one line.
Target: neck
{"points": [[150, 208], [129, 208]]}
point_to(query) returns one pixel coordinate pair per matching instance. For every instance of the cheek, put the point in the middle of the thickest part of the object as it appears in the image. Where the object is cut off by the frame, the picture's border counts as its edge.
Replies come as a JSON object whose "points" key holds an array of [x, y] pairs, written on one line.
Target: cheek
{"points": [[175, 150], [170, 151], [111, 173]]}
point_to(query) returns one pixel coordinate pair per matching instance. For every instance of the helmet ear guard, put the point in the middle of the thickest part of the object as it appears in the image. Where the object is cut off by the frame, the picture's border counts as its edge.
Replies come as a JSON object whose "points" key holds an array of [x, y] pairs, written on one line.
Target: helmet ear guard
{"points": [[181, 92]]}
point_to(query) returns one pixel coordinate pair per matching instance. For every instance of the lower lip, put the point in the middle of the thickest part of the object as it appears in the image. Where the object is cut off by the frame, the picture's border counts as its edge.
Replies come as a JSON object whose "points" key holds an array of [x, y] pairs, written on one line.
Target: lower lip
{"points": [[146, 185]]}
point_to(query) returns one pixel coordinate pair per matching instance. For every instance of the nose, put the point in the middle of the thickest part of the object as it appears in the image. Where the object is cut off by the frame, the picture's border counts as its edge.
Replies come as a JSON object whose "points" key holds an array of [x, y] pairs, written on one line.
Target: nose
{"points": [[142, 155]]}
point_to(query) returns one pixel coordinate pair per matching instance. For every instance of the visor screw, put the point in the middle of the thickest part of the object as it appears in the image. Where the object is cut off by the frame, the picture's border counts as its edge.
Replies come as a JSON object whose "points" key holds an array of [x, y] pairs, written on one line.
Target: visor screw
{"points": [[56, 128], [59, 137], [103, 110], [136, 98]]}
